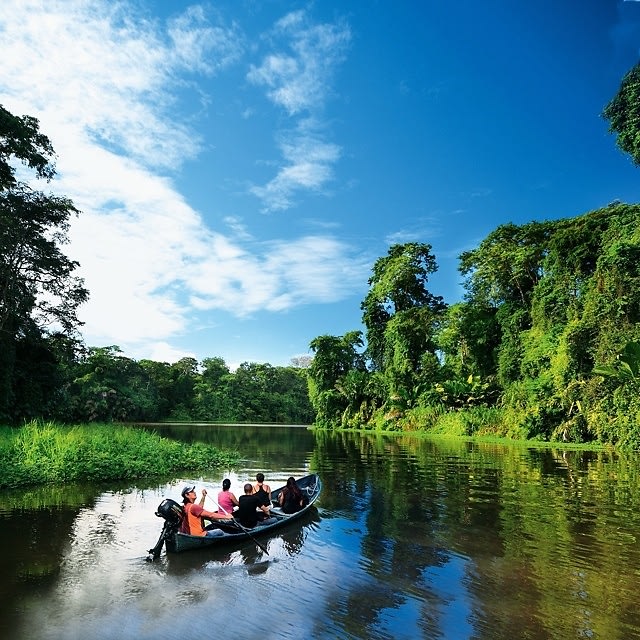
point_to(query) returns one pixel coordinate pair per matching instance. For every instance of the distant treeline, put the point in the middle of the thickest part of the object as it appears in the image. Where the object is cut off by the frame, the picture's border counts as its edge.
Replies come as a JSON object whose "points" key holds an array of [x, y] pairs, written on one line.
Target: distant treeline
{"points": [[102, 385]]}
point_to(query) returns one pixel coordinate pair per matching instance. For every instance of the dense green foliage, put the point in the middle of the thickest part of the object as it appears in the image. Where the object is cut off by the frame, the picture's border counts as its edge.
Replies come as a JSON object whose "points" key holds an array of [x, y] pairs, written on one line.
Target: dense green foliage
{"points": [[39, 453], [104, 385], [100, 384], [623, 114], [544, 345], [37, 286]]}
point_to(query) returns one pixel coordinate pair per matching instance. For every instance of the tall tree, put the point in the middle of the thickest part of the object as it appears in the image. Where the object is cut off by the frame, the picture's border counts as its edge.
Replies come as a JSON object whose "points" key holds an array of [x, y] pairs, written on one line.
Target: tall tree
{"points": [[623, 114], [502, 274], [507, 264], [20, 139], [211, 394], [334, 358], [468, 340], [184, 376], [402, 317], [38, 288]]}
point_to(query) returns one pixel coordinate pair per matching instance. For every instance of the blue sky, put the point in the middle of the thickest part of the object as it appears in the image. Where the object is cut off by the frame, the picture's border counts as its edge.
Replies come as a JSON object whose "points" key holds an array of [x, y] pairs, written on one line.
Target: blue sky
{"points": [[240, 165]]}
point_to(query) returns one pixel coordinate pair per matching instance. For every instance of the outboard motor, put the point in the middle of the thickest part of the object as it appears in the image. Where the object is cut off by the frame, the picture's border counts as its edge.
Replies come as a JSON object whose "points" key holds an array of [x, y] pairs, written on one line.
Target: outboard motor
{"points": [[172, 512]]}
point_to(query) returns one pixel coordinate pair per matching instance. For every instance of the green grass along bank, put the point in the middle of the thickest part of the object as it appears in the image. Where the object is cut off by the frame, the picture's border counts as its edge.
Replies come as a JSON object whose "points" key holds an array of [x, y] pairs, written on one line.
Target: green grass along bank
{"points": [[46, 452]]}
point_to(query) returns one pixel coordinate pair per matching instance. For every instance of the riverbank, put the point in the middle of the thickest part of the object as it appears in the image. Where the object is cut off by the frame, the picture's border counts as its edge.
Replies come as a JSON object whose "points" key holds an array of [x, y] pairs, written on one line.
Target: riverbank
{"points": [[487, 424], [41, 453]]}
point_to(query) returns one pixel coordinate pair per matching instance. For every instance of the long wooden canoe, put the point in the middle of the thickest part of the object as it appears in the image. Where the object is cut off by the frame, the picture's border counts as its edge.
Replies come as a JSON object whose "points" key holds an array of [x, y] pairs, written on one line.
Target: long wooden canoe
{"points": [[310, 485]]}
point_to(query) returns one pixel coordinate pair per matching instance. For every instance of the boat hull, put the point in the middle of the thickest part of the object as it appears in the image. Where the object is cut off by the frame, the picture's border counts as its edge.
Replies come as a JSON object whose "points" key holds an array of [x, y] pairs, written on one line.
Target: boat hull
{"points": [[310, 485]]}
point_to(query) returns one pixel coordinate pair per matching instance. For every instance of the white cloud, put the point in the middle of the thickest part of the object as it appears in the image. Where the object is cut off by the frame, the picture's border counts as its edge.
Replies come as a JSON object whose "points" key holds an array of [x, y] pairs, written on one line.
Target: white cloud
{"points": [[164, 352], [95, 70], [103, 80], [285, 274], [308, 166], [299, 81], [202, 47], [315, 268]]}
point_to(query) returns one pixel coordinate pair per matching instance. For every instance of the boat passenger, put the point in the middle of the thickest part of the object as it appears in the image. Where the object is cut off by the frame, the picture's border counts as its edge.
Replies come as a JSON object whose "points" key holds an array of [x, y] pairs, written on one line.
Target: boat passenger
{"points": [[291, 498], [193, 514], [226, 500], [248, 513], [262, 489]]}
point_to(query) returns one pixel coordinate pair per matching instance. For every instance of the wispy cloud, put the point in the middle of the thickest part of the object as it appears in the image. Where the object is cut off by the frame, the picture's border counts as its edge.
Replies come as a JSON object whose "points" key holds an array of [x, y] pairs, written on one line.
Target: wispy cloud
{"points": [[112, 71], [298, 79], [308, 166], [202, 47], [105, 81], [279, 276], [423, 229]]}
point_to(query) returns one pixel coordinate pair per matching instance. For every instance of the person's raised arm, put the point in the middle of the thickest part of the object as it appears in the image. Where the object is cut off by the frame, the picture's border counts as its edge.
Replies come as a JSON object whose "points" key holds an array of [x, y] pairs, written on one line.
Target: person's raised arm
{"points": [[215, 515]]}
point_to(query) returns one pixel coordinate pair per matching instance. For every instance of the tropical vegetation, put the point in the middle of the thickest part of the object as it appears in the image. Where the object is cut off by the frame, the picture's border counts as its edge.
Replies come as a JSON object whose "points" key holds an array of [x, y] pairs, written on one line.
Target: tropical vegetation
{"points": [[44, 453], [545, 343]]}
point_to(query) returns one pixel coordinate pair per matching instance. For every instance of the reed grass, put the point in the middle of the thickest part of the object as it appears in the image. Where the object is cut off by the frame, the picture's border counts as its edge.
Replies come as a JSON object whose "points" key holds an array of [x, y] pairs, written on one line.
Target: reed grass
{"points": [[45, 452]]}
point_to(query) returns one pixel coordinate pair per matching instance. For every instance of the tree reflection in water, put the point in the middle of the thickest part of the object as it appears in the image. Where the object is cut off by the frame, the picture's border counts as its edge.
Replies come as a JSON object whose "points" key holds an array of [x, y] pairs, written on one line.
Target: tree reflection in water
{"points": [[412, 538]]}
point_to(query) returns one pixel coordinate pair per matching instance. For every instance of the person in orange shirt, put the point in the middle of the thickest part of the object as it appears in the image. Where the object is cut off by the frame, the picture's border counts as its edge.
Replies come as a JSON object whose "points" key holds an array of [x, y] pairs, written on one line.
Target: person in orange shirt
{"points": [[193, 514]]}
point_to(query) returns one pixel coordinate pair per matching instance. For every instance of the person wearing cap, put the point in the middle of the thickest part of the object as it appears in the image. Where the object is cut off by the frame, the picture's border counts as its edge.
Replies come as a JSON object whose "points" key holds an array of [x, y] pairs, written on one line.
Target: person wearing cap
{"points": [[193, 514]]}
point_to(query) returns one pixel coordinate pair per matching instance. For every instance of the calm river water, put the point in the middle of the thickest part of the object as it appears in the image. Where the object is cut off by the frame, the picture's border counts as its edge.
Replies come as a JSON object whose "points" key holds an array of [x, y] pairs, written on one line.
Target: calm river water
{"points": [[411, 538]]}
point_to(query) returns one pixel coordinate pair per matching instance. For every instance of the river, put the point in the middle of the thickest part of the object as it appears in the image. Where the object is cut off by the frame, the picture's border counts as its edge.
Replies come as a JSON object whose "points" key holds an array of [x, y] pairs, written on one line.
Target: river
{"points": [[411, 538]]}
